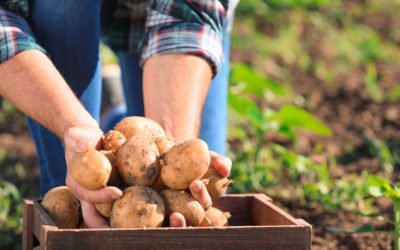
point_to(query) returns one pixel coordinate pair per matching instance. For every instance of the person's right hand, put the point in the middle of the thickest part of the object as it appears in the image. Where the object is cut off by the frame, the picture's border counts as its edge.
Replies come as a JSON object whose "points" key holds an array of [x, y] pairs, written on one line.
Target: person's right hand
{"points": [[82, 139]]}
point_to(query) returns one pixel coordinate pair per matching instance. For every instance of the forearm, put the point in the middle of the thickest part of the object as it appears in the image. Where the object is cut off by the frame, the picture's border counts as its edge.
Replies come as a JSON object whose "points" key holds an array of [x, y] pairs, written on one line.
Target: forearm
{"points": [[32, 83], [175, 87]]}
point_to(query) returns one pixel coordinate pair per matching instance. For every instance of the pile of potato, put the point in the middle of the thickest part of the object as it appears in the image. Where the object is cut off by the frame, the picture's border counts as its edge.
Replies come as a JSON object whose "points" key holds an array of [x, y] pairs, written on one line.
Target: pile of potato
{"points": [[154, 174]]}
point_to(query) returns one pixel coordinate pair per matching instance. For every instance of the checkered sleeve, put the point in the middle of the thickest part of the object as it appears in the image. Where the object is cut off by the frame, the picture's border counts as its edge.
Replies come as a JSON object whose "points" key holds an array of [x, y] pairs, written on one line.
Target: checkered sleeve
{"points": [[15, 35], [185, 26]]}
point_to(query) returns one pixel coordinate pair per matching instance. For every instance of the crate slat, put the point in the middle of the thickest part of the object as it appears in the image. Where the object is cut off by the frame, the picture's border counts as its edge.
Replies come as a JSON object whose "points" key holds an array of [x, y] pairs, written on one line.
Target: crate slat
{"points": [[256, 223]]}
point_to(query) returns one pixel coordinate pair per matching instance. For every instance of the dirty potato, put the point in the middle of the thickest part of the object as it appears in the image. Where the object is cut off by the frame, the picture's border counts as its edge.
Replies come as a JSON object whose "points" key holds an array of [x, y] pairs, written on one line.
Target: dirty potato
{"points": [[139, 207], [137, 161], [184, 203], [90, 169], [136, 125], [215, 218], [62, 207], [184, 163]]}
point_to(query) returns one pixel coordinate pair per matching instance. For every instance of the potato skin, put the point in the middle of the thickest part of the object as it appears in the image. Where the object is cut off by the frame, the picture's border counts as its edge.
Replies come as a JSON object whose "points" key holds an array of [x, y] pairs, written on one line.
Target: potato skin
{"points": [[184, 163], [91, 169], [137, 161], [215, 218], [216, 184], [112, 140], [137, 125], [159, 185], [184, 203], [104, 208], [164, 144], [115, 178], [62, 207], [139, 207]]}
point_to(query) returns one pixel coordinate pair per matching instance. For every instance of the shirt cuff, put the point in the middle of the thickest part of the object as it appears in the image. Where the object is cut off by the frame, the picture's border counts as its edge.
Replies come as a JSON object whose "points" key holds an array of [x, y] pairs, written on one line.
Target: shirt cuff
{"points": [[188, 38], [15, 35]]}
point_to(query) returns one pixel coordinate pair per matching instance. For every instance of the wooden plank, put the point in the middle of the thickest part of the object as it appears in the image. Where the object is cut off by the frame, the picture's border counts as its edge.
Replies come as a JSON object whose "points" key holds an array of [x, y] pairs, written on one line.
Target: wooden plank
{"points": [[290, 234], [238, 206], [27, 224], [44, 232], [41, 218], [272, 237], [264, 212]]}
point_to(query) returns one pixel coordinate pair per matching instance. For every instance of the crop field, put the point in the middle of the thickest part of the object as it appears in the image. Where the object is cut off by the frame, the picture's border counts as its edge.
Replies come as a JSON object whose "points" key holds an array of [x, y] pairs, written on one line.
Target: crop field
{"points": [[314, 120]]}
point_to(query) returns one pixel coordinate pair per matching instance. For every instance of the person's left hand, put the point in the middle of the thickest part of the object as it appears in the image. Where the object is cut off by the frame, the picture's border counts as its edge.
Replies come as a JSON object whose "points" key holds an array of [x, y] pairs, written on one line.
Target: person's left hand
{"points": [[199, 191]]}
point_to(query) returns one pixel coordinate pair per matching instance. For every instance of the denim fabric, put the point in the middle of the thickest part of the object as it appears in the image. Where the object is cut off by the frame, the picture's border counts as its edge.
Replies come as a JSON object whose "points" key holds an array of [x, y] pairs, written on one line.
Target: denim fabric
{"points": [[70, 35], [69, 30], [214, 116]]}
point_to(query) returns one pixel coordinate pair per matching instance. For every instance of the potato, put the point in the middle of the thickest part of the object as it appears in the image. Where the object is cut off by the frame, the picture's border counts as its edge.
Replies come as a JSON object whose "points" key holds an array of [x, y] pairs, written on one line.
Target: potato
{"points": [[115, 178], [184, 203], [137, 161], [159, 185], [216, 184], [90, 169], [215, 218], [139, 207], [104, 208], [62, 207], [184, 163], [112, 140], [164, 144], [136, 125]]}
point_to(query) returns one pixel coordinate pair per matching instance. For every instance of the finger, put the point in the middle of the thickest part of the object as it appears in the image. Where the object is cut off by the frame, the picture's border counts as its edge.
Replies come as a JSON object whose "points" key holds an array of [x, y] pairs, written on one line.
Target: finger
{"points": [[221, 163], [81, 139], [91, 217], [199, 192], [93, 196], [177, 220]]}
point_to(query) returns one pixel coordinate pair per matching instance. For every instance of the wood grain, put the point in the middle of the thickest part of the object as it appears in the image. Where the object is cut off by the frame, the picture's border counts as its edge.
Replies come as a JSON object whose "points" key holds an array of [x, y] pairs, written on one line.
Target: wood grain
{"points": [[191, 238], [256, 223], [27, 224]]}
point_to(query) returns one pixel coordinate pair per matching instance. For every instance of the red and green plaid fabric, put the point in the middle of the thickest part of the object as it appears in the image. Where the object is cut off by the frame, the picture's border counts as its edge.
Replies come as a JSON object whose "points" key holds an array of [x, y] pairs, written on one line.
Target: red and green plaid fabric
{"points": [[149, 27], [15, 35]]}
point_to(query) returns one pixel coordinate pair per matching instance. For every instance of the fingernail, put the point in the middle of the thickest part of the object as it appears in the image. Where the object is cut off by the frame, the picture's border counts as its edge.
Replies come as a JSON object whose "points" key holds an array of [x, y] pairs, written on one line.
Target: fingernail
{"points": [[174, 223], [197, 188], [115, 196]]}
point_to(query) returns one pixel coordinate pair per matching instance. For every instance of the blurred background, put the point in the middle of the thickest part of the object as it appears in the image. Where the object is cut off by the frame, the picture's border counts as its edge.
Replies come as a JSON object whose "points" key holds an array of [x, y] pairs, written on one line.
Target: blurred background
{"points": [[314, 119]]}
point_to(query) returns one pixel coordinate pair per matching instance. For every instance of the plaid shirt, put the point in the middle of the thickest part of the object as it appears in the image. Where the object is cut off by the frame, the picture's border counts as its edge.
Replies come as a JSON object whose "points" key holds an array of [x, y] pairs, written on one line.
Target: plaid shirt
{"points": [[149, 27]]}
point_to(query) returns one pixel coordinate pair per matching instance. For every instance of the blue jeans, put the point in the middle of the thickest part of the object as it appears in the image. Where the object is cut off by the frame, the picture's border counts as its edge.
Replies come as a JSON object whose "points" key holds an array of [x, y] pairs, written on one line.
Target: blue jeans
{"points": [[214, 116], [70, 32]]}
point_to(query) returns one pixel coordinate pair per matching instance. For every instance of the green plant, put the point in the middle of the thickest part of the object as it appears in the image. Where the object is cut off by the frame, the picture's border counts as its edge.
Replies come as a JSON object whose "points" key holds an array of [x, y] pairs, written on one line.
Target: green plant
{"points": [[381, 187], [394, 94], [10, 213], [371, 84], [259, 166]]}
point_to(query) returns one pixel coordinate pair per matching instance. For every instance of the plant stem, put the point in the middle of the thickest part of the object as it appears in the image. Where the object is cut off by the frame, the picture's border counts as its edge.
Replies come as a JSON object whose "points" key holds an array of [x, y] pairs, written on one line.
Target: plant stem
{"points": [[260, 140], [396, 224]]}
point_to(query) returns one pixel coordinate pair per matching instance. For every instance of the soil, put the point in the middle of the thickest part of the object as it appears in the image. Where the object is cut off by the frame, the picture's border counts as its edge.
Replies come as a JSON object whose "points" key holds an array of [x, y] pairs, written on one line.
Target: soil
{"points": [[355, 119], [345, 106]]}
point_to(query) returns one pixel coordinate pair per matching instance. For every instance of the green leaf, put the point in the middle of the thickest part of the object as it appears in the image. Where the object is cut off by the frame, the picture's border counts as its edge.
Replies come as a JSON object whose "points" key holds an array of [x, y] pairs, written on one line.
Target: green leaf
{"points": [[375, 191], [246, 108], [255, 83], [371, 84], [394, 94], [294, 117]]}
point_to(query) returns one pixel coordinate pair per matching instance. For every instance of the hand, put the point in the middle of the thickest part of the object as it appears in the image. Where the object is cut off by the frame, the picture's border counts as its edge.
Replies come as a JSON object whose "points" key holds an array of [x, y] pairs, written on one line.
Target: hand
{"points": [[81, 139], [199, 191]]}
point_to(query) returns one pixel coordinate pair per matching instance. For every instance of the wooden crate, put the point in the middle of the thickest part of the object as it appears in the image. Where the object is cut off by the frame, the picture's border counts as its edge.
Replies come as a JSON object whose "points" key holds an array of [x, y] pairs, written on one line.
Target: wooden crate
{"points": [[256, 223]]}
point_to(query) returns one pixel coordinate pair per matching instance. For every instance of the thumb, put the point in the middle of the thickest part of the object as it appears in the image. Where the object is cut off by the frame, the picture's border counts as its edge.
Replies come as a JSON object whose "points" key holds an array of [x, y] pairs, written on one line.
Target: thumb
{"points": [[81, 139]]}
